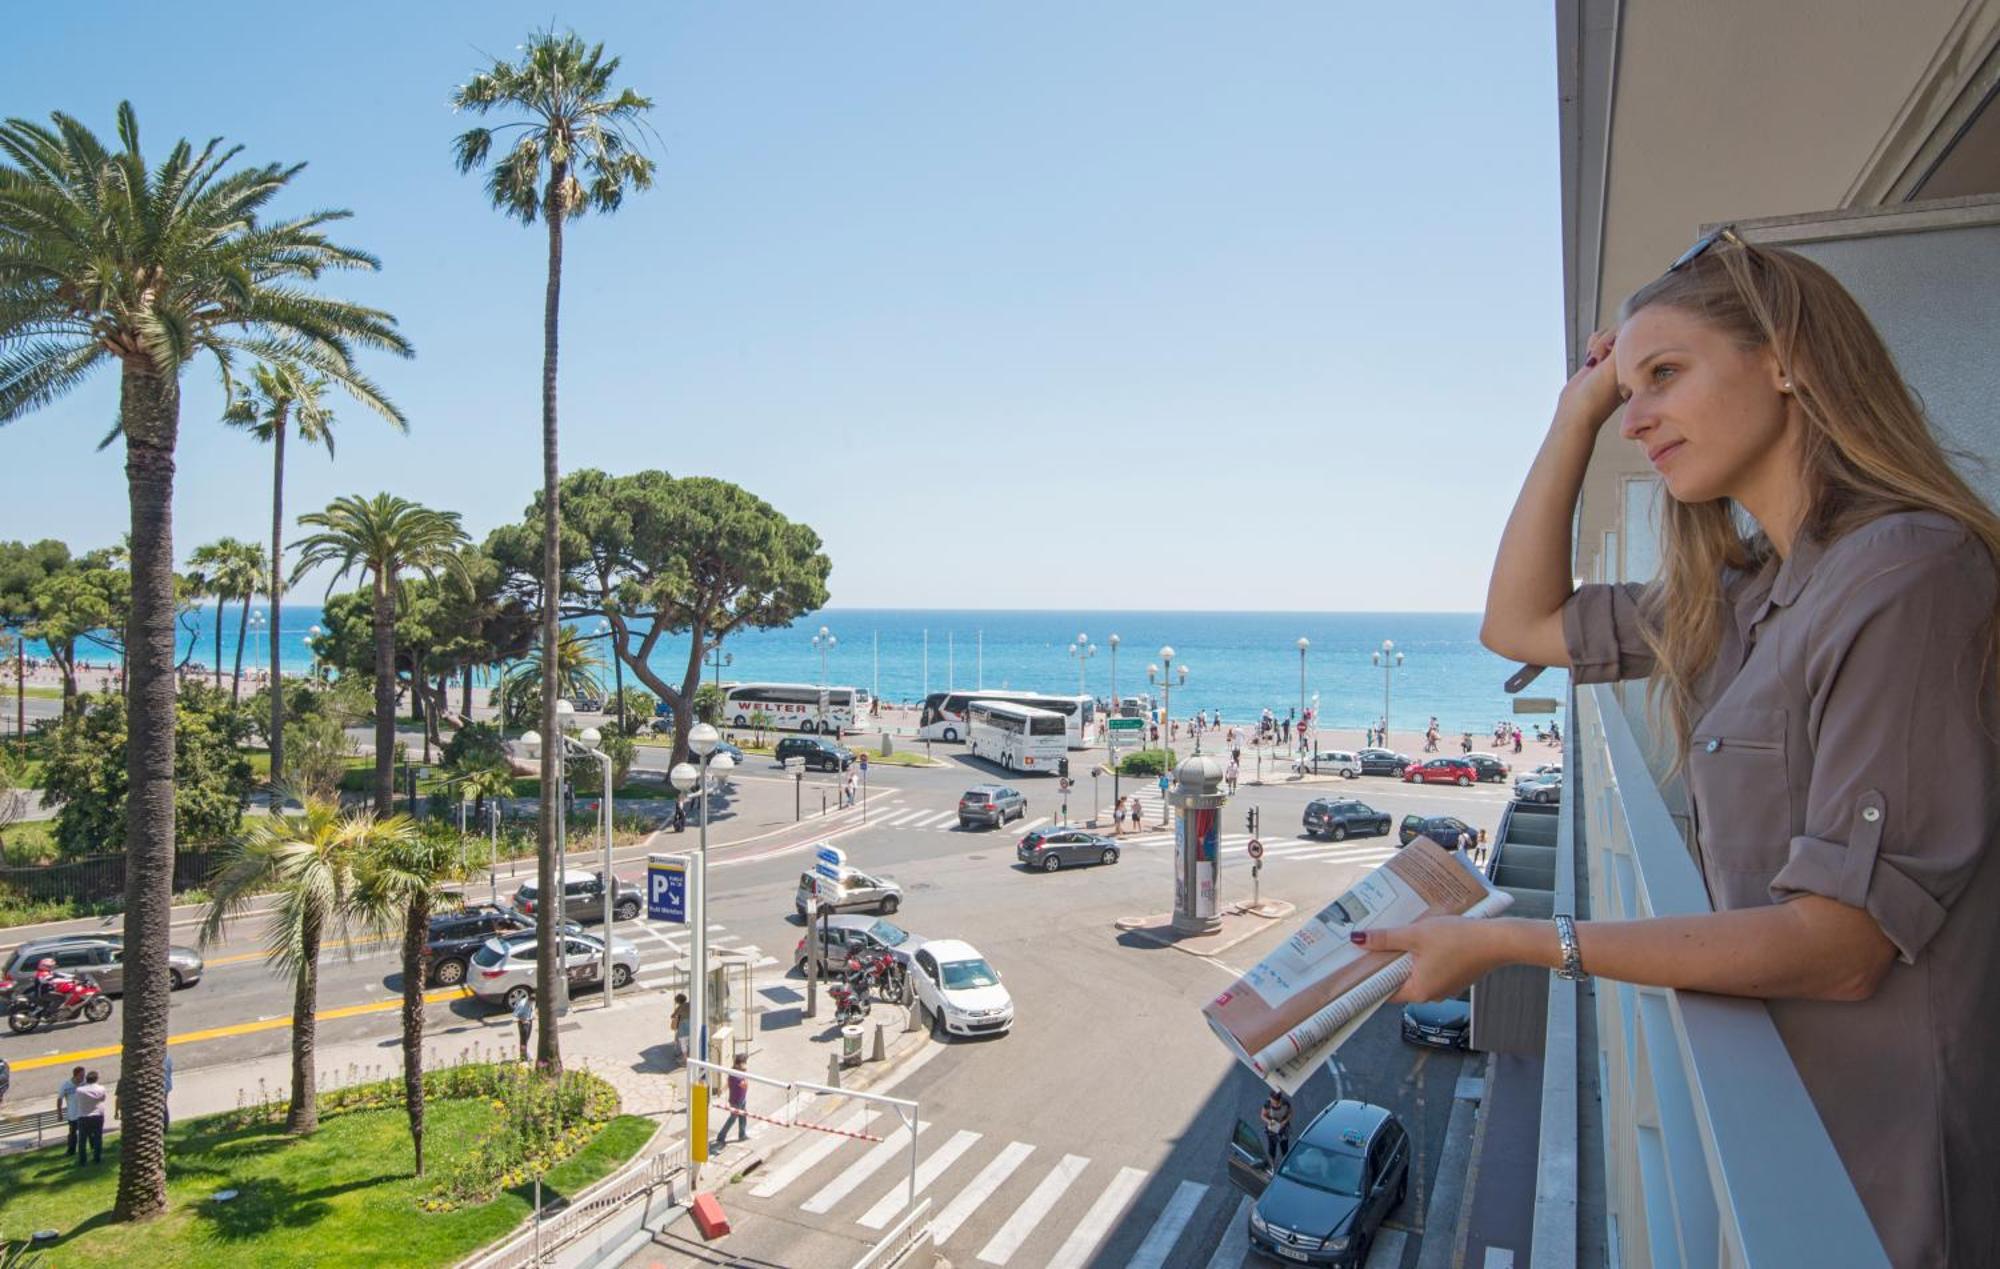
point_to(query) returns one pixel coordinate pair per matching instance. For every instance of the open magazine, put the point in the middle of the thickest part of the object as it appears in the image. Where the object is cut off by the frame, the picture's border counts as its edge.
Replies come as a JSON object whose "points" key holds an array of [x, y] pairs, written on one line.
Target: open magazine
{"points": [[1284, 1017]]}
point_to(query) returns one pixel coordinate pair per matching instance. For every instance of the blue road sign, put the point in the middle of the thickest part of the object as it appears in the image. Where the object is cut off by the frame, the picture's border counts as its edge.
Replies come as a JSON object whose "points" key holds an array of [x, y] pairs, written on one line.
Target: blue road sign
{"points": [[666, 890], [828, 862]]}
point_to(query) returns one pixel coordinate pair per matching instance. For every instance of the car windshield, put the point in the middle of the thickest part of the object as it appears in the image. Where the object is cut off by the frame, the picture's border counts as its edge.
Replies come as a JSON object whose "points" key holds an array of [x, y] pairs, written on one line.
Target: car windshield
{"points": [[888, 935], [966, 975], [1323, 1169], [488, 955]]}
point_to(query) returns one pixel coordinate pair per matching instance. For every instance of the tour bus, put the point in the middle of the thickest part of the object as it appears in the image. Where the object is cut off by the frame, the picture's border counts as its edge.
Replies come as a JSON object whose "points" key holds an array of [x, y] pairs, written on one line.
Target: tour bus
{"points": [[795, 706], [944, 713], [1018, 737]]}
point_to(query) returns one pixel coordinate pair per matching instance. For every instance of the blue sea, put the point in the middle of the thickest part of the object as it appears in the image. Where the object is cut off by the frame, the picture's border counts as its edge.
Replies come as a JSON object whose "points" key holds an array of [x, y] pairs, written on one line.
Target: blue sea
{"points": [[1238, 663]]}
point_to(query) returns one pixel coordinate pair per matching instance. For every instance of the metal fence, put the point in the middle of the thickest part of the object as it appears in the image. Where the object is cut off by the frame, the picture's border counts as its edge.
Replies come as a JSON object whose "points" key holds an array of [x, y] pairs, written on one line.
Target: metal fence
{"points": [[98, 877], [1713, 1152]]}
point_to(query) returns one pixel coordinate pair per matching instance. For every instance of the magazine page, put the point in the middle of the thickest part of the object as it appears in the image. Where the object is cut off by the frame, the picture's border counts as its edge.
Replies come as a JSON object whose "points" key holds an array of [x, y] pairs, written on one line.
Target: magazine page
{"points": [[1300, 1001]]}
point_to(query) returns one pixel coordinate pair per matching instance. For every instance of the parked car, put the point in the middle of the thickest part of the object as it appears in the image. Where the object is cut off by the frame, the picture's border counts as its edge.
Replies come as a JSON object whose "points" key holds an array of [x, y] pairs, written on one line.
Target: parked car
{"points": [[1338, 762], [1546, 769], [1440, 1024], [817, 754], [588, 704], [1050, 848], [856, 891], [1456, 771], [455, 936], [1488, 766], [1546, 788], [1445, 830], [583, 897], [1340, 1180], [101, 956], [1342, 818], [961, 991], [1383, 762], [990, 804], [847, 936], [503, 969]]}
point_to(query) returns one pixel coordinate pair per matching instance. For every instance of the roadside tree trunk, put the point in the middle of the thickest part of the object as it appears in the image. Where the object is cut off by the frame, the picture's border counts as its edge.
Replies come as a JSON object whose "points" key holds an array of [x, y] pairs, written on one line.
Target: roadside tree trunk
{"points": [[385, 693], [303, 1116], [218, 640], [416, 972], [548, 1051], [150, 410], [277, 601], [242, 633]]}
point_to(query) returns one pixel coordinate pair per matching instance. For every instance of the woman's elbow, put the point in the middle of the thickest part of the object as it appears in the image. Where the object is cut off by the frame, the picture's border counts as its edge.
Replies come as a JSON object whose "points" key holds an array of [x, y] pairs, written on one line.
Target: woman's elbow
{"points": [[1859, 982]]}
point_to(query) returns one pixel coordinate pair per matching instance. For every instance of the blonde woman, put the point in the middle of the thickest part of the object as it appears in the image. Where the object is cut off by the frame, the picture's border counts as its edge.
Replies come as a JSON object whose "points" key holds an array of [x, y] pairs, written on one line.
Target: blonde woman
{"points": [[1821, 645]]}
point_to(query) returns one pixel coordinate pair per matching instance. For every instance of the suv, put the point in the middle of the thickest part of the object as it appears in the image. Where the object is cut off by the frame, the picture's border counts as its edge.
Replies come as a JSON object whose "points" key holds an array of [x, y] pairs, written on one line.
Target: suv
{"points": [[1383, 762], [100, 956], [817, 754], [1340, 1180], [583, 897], [1334, 762], [1445, 830], [1488, 766], [1342, 818], [850, 936], [503, 969], [991, 804], [1456, 771], [856, 891], [455, 936]]}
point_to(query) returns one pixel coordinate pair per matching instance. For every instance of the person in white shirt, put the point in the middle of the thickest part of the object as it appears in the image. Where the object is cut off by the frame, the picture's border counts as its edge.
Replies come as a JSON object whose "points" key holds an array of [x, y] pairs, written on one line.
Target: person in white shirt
{"points": [[66, 1102]]}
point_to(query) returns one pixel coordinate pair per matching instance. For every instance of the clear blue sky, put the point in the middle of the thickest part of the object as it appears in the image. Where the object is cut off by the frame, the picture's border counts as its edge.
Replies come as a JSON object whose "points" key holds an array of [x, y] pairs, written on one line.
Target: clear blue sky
{"points": [[1161, 305]]}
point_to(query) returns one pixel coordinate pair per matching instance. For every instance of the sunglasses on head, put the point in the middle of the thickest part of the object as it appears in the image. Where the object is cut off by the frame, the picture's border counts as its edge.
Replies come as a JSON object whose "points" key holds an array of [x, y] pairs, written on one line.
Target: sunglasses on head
{"points": [[1726, 233]]}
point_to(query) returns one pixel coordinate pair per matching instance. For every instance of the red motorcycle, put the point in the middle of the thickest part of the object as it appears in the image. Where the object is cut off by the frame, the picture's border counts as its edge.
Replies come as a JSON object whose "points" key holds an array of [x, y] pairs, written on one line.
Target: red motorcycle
{"points": [[66, 1000]]}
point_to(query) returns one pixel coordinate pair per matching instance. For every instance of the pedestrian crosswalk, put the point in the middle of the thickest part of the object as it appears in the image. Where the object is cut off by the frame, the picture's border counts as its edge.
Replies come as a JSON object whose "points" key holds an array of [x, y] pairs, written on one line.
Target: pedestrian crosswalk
{"points": [[1235, 847], [663, 949], [899, 815]]}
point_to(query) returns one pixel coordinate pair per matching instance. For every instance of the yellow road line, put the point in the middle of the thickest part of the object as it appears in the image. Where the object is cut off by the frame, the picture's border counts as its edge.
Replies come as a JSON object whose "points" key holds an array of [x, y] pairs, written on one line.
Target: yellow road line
{"points": [[237, 958], [241, 1028]]}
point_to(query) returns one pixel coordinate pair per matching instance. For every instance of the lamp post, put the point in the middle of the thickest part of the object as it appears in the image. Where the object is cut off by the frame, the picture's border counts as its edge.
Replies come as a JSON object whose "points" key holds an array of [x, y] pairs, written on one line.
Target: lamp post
{"points": [[258, 624], [1165, 679], [1389, 659], [717, 659], [610, 635], [1083, 649], [531, 740], [1114, 676], [312, 645], [825, 641], [588, 743], [688, 778]]}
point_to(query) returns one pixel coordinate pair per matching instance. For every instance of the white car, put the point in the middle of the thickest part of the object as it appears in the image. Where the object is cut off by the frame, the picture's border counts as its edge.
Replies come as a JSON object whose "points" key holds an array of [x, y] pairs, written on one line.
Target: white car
{"points": [[1338, 762], [961, 991], [503, 969]]}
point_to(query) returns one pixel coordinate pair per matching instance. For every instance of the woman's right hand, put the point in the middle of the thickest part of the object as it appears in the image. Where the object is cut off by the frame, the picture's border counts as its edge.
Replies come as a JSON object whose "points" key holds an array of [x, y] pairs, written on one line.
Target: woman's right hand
{"points": [[1591, 395]]}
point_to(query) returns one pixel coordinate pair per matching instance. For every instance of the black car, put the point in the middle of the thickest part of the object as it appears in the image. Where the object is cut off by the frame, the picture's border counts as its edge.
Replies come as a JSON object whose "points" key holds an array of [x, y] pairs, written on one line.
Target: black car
{"points": [[1445, 830], [1342, 818], [455, 936], [1323, 1203], [1440, 1024], [1383, 762], [817, 754], [1489, 767]]}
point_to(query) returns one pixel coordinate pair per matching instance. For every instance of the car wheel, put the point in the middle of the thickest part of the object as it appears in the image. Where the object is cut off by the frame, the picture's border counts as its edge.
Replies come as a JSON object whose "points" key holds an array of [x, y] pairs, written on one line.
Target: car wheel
{"points": [[1340, 832], [1051, 863], [621, 975], [515, 995], [449, 973], [890, 904], [801, 966], [626, 912], [963, 823], [174, 980], [1384, 828], [1110, 856], [1464, 783]]}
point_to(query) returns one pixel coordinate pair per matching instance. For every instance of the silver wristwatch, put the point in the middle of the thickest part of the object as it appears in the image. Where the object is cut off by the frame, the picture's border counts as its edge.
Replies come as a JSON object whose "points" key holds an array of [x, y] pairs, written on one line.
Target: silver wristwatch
{"points": [[1572, 966]]}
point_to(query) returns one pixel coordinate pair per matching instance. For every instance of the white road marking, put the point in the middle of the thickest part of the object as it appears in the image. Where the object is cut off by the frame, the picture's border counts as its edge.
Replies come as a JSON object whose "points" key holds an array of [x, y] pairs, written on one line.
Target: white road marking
{"points": [[927, 1171], [901, 818], [1041, 819], [896, 1143], [1152, 1253], [798, 1164], [1235, 1244], [1022, 1223], [1090, 1231], [973, 1196]]}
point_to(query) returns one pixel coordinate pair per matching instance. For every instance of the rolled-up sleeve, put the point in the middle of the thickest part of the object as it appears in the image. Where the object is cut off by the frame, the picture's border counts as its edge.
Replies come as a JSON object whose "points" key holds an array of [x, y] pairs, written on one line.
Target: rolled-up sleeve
{"points": [[1899, 808], [1604, 629]]}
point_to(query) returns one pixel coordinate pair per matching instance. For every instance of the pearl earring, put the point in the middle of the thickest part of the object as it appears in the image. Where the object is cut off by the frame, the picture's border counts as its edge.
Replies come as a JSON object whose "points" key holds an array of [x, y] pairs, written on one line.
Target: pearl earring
{"points": [[1786, 386]]}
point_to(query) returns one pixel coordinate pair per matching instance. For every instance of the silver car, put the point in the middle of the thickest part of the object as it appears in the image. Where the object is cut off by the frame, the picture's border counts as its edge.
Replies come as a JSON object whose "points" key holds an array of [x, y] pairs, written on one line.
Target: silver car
{"points": [[856, 891], [848, 936], [101, 956], [503, 970]]}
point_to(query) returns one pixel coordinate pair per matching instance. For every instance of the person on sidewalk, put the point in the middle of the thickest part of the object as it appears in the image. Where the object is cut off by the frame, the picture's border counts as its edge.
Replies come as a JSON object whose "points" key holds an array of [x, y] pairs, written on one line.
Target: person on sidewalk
{"points": [[680, 1024], [1277, 1113], [90, 1097], [67, 1103], [739, 1105], [524, 1022], [1230, 773]]}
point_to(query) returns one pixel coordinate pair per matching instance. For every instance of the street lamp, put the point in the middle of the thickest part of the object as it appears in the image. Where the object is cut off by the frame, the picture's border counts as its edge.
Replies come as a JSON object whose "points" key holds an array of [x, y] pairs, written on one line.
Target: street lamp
{"points": [[824, 641], [312, 645], [1304, 643], [258, 622], [688, 778], [617, 674], [1114, 675], [1083, 649], [531, 740], [1388, 658], [588, 743], [717, 658]]}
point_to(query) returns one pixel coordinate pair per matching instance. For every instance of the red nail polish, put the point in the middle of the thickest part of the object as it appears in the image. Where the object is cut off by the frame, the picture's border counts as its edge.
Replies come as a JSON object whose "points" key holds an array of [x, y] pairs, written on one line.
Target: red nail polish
{"points": [[1588, 362], [1357, 937]]}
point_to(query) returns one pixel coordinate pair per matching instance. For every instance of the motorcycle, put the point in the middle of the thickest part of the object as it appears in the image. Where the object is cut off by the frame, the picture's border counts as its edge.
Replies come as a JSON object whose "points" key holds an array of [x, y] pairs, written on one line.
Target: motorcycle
{"points": [[67, 1000], [882, 973], [850, 999]]}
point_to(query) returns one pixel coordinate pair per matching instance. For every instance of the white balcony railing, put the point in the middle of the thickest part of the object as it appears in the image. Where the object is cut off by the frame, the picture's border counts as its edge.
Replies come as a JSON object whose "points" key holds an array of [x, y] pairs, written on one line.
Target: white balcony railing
{"points": [[1713, 1153]]}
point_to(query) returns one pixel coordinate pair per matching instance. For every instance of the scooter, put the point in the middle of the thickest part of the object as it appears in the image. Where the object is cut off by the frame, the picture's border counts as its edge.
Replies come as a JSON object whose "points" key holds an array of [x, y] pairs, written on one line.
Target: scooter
{"points": [[850, 1000], [71, 998]]}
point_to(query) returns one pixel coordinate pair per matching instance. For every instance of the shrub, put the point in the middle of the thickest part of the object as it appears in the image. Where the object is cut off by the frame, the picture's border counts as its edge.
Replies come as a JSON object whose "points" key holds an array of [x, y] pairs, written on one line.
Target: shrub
{"points": [[475, 745], [1146, 762], [85, 773]]}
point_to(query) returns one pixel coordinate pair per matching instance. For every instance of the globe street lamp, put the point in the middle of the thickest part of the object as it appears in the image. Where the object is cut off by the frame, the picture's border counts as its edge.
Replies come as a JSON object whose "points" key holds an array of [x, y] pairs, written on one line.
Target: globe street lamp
{"points": [[1083, 649], [825, 641], [1389, 659], [258, 623], [702, 740], [531, 740], [588, 743], [1114, 677], [312, 645]]}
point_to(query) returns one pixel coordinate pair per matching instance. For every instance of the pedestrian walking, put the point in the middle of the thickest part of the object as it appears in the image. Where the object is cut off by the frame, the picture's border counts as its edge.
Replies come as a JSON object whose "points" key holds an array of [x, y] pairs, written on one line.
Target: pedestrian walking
{"points": [[524, 1021], [1277, 1115], [1118, 819], [739, 1105], [66, 1102], [680, 1020], [90, 1097]]}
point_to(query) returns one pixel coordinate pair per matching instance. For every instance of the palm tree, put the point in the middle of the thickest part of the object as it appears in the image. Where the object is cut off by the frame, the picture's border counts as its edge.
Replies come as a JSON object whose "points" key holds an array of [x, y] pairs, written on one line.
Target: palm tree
{"points": [[486, 779], [402, 881], [383, 536], [277, 400], [577, 664], [108, 258], [310, 861], [569, 156], [231, 569]]}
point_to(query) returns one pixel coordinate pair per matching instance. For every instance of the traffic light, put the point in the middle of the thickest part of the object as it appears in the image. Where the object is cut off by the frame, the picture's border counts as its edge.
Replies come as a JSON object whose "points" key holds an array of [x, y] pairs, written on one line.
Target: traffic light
{"points": [[1062, 768], [1250, 820]]}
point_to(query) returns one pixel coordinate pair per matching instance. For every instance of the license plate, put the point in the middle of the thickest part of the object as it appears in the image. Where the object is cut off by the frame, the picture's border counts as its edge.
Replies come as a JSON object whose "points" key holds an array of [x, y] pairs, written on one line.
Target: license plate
{"points": [[1291, 1253]]}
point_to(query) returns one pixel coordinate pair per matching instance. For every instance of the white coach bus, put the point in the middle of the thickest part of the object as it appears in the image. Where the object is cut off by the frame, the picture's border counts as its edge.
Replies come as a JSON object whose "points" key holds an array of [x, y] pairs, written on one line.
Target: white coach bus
{"points": [[1018, 737], [795, 706], [944, 715]]}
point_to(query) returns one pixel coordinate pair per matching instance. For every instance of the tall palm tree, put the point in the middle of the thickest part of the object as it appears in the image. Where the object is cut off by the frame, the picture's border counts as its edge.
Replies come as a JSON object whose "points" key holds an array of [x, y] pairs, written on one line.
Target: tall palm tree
{"points": [[402, 881], [311, 862], [204, 580], [107, 258], [576, 667], [569, 155], [383, 536], [231, 569], [277, 400]]}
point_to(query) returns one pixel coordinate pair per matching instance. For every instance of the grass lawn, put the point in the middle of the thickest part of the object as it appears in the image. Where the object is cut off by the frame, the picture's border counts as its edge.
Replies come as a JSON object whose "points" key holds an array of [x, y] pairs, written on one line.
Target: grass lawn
{"points": [[30, 841], [343, 1196], [37, 692]]}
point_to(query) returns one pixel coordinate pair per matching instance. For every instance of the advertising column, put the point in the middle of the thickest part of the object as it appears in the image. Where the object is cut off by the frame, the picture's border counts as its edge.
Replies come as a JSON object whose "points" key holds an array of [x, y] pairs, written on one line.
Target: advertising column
{"points": [[1198, 794]]}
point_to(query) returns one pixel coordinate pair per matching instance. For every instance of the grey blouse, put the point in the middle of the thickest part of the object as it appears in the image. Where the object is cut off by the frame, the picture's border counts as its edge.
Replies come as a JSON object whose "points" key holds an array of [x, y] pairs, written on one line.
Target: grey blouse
{"points": [[1846, 747]]}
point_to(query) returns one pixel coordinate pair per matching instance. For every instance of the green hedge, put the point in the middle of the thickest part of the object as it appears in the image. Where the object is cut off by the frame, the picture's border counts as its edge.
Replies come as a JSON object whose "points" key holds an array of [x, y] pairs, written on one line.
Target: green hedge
{"points": [[1146, 762]]}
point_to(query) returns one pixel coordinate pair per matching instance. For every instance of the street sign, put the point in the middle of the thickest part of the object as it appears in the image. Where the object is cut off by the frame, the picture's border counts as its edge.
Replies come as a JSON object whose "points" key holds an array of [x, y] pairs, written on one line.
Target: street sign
{"points": [[1124, 733], [666, 888], [1256, 849], [829, 861]]}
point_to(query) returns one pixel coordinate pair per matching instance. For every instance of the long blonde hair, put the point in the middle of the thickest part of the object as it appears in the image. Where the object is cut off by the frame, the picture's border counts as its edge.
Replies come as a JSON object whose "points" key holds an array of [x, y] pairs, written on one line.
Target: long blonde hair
{"points": [[1868, 449]]}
